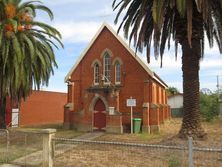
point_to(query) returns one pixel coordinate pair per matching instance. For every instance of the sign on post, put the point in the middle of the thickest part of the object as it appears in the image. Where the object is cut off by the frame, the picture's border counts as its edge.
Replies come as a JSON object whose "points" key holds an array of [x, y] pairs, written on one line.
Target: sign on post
{"points": [[131, 103]]}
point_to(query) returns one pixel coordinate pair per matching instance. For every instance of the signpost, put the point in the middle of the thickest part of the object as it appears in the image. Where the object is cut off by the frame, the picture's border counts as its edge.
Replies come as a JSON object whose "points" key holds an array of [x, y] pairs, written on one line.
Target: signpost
{"points": [[131, 103]]}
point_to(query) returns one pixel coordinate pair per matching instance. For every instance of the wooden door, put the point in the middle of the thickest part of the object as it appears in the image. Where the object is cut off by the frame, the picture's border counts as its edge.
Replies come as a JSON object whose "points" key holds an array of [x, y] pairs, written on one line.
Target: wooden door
{"points": [[99, 116]]}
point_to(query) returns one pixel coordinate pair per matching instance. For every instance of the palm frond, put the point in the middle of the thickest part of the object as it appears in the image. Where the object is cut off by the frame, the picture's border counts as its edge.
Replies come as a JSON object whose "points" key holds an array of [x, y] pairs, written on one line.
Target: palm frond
{"points": [[17, 49], [181, 7], [26, 48], [49, 29], [45, 9]]}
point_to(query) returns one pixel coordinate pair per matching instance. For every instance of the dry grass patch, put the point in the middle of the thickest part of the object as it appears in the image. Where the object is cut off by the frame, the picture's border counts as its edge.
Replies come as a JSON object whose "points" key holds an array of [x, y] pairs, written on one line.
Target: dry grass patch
{"points": [[168, 135], [22, 144], [99, 155]]}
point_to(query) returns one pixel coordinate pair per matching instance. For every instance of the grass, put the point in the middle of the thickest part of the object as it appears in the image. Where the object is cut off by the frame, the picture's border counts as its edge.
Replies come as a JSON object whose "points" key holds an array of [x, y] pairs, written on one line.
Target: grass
{"points": [[22, 144], [174, 162], [94, 155], [167, 130], [60, 132], [168, 135]]}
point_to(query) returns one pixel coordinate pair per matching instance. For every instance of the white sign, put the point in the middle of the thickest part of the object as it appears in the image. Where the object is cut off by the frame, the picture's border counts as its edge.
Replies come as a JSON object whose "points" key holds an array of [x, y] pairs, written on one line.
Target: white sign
{"points": [[111, 110], [131, 102]]}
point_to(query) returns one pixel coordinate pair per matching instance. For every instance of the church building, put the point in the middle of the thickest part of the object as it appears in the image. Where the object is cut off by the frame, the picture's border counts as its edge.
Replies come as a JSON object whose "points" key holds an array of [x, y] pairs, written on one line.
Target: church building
{"points": [[106, 75]]}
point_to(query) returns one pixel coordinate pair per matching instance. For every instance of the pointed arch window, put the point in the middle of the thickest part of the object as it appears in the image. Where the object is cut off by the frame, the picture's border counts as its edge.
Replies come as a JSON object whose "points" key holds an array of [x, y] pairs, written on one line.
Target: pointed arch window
{"points": [[107, 65], [117, 73], [96, 74]]}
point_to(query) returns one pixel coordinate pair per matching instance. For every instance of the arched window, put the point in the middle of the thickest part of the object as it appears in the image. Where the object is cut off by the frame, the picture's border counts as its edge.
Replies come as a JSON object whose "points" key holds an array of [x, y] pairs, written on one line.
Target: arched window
{"points": [[117, 73], [96, 74], [106, 66]]}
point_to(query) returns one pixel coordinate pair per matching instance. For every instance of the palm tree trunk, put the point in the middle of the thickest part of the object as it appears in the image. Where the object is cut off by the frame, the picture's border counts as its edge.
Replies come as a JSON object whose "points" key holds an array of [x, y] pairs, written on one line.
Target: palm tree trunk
{"points": [[191, 125], [2, 113]]}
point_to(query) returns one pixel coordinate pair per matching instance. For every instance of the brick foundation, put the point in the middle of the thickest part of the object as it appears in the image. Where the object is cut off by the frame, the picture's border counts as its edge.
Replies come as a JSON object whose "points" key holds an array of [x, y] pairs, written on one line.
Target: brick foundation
{"points": [[82, 127], [154, 118], [146, 118], [114, 123], [154, 128]]}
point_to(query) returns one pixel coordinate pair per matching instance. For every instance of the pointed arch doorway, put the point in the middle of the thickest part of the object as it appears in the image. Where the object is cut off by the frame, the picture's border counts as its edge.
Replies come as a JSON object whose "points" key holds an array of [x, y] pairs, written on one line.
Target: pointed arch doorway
{"points": [[99, 116]]}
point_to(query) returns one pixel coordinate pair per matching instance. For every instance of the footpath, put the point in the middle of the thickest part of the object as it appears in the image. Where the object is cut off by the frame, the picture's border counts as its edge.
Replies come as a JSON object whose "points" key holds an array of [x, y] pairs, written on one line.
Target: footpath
{"points": [[35, 159]]}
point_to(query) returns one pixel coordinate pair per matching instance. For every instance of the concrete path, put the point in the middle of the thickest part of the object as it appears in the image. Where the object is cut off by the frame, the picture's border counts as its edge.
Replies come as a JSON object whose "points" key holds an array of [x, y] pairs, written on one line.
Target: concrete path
{"points": [[35, 159], [9, 165], [90, 136]]}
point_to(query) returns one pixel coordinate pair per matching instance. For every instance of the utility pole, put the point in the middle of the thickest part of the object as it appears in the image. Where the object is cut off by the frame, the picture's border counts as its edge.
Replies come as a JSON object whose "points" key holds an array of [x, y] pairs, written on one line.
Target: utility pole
{"points": [[218, 88], [218, 96]]}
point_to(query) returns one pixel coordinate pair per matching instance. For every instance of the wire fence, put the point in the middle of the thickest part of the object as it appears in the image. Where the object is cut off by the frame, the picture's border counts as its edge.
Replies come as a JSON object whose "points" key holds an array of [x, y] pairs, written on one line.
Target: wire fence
{"points": [[16, 147], [103, 153], [26, 149]]}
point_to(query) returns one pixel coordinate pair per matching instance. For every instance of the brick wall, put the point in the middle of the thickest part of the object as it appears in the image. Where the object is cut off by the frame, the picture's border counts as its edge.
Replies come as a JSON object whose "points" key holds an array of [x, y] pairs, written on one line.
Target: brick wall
{"points": [[135, 80], [42, 107]]}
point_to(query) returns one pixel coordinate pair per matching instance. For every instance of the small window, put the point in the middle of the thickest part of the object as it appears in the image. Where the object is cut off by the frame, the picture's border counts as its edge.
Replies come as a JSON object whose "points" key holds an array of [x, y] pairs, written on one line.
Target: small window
{"points": [[96, 74], [107, 65], [117, 73]]}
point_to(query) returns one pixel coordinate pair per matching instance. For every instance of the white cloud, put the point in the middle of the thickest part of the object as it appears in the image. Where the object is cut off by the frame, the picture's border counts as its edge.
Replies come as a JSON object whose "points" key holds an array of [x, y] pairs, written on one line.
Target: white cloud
{"points": [[105, 11], [79, 20], [210, 73], [169, 61], [77, 32], [178, 85], [209, 85], [66, 2], [211, 63]]}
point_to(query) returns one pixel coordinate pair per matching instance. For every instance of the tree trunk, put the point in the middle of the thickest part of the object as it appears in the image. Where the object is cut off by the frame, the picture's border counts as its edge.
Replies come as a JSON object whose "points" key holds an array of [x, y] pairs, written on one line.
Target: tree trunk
{"points": [[3, 113], [191, 125]]}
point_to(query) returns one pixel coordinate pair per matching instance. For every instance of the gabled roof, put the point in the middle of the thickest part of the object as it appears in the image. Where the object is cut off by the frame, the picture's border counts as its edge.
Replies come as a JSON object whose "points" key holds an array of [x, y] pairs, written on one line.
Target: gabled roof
{"points": [[132, 53]]}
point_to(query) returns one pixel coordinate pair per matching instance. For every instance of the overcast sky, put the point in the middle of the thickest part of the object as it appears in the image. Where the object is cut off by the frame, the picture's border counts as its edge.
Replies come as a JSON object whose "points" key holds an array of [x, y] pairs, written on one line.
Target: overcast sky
{"points": [[79, 20]]}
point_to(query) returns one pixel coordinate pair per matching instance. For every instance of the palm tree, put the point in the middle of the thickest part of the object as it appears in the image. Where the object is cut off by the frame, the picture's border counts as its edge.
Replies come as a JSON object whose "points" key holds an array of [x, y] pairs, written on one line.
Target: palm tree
{"points": [[184, 21], [27, 47]]}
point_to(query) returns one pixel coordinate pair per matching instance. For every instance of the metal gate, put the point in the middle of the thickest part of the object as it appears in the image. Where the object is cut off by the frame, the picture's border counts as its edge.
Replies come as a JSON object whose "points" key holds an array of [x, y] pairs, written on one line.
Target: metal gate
{"points": [[15, 117]]}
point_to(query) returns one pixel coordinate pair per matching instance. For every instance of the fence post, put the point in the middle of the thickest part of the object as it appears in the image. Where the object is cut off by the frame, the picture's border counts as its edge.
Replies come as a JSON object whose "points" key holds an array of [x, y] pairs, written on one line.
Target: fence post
{"points": [[47, 147], [7, 141], [190, 151]]}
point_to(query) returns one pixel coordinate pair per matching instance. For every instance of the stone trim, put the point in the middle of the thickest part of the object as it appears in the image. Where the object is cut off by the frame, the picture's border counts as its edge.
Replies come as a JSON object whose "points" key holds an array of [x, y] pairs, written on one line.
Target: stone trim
{"points": [[70, 106], [95, 99], [96, 61], [114, 129], [146, 105], [117, 59], [108, 51], [117, 113], [154, 106]]}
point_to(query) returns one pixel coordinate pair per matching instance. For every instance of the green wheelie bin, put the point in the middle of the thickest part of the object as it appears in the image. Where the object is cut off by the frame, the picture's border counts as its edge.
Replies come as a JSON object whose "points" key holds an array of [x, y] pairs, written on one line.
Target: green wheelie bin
{"points": [[136, 125]]}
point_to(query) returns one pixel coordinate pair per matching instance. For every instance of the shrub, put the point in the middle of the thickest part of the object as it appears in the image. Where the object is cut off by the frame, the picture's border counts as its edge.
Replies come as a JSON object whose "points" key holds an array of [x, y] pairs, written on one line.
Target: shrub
{"points": [[208, 106], [174, 162]]}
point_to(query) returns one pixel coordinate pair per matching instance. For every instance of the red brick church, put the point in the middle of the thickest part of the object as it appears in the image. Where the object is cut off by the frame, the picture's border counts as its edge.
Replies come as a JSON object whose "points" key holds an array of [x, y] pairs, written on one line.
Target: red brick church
{"points": [[106, 74]]}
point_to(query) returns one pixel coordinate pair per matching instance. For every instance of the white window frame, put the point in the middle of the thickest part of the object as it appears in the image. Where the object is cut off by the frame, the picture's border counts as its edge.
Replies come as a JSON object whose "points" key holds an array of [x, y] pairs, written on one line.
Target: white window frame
{"points": [[107, 78], [117, 73], [96, 74]]}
